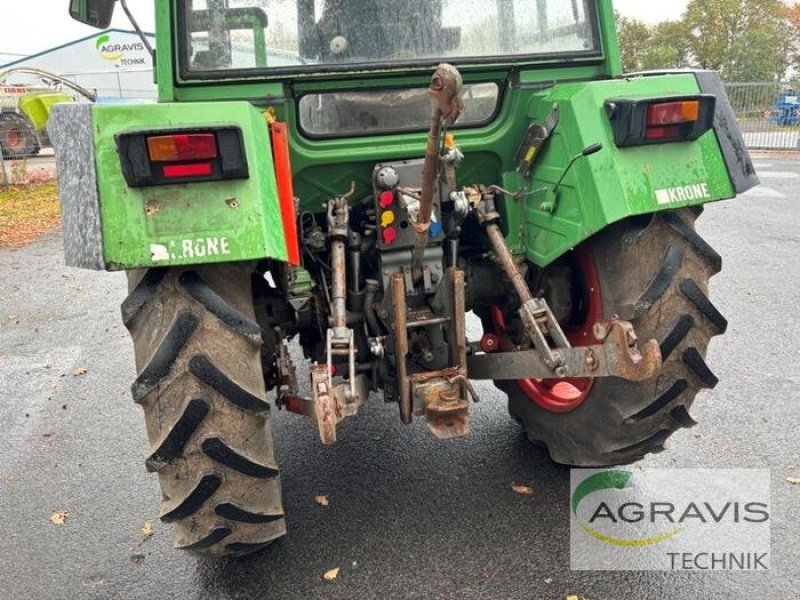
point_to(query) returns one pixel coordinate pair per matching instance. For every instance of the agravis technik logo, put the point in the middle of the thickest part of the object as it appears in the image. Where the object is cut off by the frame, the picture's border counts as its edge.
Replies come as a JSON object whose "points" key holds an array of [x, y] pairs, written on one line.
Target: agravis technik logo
{"points": [[671, 519], [106, 49], [608, 480], [116, 52]]}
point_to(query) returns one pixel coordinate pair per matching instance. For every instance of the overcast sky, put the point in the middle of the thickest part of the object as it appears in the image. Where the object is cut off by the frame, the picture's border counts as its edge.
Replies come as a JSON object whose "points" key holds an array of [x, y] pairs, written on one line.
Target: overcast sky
{"points": [[35, 25], [651, 12]]}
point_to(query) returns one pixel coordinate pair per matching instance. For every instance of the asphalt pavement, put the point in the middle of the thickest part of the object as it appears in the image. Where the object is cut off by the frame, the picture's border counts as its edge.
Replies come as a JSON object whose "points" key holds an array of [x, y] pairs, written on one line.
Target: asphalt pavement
{"points": [[409, 516]]}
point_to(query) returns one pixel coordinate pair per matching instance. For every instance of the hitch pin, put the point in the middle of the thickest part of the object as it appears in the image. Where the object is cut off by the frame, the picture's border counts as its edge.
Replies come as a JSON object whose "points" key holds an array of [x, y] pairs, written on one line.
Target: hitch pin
{"points": [[467, 383]]}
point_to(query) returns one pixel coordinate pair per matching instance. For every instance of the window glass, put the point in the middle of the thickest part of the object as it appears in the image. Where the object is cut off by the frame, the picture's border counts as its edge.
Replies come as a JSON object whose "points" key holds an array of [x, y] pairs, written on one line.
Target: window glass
{"points": [[372, 111], [256, 34]]}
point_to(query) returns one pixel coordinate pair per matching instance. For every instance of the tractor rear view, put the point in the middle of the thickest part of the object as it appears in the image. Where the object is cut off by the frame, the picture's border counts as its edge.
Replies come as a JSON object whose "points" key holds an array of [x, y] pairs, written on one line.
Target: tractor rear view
{"points": [[357, 178]]}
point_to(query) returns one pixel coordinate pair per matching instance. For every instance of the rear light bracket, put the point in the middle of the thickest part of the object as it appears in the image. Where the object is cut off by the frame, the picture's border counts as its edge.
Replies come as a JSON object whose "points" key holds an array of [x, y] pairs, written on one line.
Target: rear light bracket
{"points": [[140, 171], [628, 118]]}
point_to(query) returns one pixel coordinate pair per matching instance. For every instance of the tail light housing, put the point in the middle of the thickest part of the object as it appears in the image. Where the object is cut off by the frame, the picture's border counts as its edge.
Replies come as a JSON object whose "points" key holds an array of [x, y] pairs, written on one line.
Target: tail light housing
{"points": [[151, 158], [643, 121]]}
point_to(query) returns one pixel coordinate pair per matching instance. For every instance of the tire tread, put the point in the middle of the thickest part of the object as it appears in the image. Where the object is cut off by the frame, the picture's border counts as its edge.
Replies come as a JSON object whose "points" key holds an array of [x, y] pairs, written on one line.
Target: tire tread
{"points": [[199, 383], [666, 267], [673, 258]]}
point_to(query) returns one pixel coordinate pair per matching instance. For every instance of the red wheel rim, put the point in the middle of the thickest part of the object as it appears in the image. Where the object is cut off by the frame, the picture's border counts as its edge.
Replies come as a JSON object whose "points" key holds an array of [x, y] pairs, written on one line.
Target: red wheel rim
{"points": [[14, 139], [562, 395]]}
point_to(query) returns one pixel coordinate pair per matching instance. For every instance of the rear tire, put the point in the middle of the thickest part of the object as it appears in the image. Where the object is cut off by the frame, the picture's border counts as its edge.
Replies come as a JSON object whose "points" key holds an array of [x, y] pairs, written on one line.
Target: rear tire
{"points": [[17, 137], [654, 272], [201, 386]]}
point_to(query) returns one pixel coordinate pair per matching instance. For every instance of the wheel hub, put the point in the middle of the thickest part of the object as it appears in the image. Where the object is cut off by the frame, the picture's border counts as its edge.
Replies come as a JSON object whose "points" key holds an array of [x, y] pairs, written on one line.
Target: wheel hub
{"points": [[14, 139], [561, 395]]}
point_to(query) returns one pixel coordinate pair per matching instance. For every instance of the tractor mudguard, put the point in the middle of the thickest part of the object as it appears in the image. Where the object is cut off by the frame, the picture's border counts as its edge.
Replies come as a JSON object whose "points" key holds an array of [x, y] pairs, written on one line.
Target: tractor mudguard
{"points": [[113, 221], [621, 182]]}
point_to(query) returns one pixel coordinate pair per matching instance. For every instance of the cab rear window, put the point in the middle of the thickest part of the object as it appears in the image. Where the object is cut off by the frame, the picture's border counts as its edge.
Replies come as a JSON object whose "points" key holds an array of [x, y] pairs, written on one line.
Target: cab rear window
{"points": [[251, 37], [382, 111]]}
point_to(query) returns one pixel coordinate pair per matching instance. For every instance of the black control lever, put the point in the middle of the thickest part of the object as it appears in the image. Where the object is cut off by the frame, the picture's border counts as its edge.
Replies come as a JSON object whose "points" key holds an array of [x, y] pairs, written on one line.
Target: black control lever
{"points": [[588, 151], [552, 203]]}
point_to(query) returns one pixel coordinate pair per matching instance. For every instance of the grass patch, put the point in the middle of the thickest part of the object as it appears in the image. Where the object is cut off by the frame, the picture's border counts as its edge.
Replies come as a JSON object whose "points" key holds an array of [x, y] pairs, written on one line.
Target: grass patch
{"points": [[26, 212]]}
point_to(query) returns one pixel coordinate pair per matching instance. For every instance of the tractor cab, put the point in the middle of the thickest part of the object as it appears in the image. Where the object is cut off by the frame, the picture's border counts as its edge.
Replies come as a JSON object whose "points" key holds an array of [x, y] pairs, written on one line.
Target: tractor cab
{"points": [[293, 40]]}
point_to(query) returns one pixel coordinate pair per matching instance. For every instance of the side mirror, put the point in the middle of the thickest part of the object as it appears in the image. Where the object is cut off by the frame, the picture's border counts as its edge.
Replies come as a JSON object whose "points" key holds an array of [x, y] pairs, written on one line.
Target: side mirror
{"points": [[96, 13]]}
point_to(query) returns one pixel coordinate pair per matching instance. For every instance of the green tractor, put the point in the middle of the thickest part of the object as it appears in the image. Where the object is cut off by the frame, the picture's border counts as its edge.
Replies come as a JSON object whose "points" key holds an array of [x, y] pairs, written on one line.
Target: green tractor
{"points": [[359, 176]]}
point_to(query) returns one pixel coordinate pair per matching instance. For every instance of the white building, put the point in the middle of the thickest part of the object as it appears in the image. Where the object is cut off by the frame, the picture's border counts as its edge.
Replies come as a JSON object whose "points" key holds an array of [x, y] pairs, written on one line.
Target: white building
{"points": [[113, 63]]}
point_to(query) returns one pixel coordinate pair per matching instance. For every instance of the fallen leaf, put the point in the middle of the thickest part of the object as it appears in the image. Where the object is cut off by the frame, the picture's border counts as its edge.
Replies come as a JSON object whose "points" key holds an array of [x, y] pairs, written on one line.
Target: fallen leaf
{"points": [[80, 371], [147, 529], [331, 575], [321, 500], [14, 319], [793, 480], [573, 597], [9, 479], [59, 517], [522, 489], [27, 212]]}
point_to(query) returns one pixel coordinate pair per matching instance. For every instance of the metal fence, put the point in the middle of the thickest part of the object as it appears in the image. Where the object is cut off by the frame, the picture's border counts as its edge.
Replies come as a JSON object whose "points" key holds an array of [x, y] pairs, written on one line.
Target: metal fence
{"points": [[768, 114]]}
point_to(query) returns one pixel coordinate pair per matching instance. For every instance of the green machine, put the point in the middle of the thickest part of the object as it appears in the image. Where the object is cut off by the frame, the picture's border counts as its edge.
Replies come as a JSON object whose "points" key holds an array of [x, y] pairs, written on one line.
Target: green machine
{"points": [[23, 119], [363, 177], [25, 109]]}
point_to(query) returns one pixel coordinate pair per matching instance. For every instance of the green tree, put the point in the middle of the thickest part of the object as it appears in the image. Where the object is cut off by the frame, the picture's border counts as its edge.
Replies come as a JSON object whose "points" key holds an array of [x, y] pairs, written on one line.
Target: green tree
{"points": [[669, 47], [793, 17], [634, 36], [745, 40], [646, 48]]}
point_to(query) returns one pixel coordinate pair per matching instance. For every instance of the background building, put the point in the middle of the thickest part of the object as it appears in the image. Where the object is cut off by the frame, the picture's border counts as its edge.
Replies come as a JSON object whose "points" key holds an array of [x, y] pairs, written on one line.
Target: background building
{"points": [[113, 63]]}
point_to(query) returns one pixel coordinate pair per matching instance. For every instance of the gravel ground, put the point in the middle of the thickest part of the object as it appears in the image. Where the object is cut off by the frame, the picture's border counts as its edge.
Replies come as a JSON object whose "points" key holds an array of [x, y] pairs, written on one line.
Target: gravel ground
{"points": [[409, 517]]}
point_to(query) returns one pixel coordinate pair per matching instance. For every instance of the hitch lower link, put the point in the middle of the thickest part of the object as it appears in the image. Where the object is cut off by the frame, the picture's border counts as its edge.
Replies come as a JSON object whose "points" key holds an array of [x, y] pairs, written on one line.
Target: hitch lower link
{"points": [[333, 398], [617, 355]]}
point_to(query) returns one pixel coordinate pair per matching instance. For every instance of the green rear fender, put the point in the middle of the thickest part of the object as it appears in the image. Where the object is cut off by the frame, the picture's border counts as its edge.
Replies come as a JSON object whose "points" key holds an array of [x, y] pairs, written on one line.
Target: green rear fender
{"points": [[192, 223], [109, 225], [616, 182]]}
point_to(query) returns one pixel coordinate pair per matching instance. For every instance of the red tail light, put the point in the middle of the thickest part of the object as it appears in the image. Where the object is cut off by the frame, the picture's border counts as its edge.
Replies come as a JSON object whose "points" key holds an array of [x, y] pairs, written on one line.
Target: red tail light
{"points": [[642, 121], [182, 146], [193, 170], [673, 113], [663, 133], [182, 156]]}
